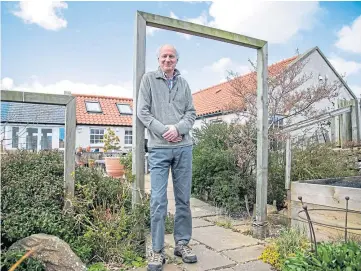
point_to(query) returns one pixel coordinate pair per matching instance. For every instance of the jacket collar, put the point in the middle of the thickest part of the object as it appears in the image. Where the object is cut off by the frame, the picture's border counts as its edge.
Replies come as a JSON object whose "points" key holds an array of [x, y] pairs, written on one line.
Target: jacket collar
{"points": [[160, 74]]}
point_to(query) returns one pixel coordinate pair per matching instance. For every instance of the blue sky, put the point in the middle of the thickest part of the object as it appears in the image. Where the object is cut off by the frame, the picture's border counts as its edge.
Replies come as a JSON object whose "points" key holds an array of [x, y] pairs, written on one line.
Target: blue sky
{"points": [[87, 47]]}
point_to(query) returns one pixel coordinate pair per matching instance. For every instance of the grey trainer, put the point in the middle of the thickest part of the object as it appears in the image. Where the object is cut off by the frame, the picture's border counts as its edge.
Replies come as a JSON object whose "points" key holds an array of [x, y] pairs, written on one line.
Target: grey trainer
{"points": [[184, 251], [156, 261]]}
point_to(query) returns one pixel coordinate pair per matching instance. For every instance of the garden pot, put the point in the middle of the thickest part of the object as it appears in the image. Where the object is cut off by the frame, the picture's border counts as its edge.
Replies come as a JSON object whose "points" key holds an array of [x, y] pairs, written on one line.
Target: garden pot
{"points": [[113, 167]]}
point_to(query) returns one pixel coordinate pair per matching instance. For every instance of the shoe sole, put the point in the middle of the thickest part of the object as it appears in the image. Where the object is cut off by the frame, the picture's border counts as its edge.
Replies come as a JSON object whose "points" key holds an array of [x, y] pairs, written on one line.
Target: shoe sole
{"points": [[177, 253], [157, 269]]}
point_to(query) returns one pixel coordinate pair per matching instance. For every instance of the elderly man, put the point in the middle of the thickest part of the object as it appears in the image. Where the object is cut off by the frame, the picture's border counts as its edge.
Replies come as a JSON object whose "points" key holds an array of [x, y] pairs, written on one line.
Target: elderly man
{"points": [[166, 108]]}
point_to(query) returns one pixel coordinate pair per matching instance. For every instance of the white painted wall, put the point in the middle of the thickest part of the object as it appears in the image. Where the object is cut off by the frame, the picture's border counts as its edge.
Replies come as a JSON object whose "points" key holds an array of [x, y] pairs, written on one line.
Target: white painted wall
{"points": [[83, 136], [228, 118], [318, 66], [6, 135]]}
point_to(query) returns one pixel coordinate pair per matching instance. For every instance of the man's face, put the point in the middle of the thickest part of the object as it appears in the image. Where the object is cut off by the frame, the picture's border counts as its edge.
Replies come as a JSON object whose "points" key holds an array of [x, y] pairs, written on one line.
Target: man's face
{"points": [[167, 59]]}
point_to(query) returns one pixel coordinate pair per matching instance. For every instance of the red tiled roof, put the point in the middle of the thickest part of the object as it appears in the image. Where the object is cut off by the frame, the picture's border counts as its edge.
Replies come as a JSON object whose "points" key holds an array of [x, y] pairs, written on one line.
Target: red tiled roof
{"points": [[110, 114], [218, 98]]}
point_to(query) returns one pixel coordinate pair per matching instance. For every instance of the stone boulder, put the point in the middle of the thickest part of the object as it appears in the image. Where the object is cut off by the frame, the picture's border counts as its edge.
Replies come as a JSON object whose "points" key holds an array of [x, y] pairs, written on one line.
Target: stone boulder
{"points": [[52, 251]]}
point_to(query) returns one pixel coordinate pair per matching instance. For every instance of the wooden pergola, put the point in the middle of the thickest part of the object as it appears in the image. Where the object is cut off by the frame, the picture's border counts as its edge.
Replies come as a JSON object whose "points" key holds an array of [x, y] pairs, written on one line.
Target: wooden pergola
{"points": [[70, 127], [146, 19]]}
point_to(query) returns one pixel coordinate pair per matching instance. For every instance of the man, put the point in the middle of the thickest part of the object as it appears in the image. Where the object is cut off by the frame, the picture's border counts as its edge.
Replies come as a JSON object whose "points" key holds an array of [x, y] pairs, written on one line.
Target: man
{"points": [[165, 107]]}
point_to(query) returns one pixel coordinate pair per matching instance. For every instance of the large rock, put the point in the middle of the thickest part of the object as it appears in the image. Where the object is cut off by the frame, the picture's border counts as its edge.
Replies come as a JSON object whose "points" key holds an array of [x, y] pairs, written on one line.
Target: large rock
{"points": [[52, 251]]}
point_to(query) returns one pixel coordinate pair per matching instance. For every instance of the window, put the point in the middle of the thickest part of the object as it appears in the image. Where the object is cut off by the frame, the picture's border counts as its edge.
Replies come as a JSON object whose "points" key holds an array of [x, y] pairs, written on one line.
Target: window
{"points": [[96, 135], [61, 138], [276, 121], [128, 137], [15, 137], [216, 120], [93, 107], [124, 109], [46, 139], [32, 139]]}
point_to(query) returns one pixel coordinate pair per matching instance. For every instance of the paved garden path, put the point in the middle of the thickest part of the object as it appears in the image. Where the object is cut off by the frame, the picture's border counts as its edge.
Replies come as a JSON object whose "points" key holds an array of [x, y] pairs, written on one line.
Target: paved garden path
{"points": [[217, 247]]}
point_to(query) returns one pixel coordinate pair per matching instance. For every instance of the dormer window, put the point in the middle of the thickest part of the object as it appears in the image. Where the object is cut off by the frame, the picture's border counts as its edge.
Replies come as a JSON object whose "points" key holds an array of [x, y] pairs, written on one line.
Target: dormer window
{"points": [[93, 107], [125, 109]]}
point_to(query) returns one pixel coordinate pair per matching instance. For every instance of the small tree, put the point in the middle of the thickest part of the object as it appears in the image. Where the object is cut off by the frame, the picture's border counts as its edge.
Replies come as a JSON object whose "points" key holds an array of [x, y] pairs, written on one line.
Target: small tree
{"points": [[111, 141], [291, 95]]}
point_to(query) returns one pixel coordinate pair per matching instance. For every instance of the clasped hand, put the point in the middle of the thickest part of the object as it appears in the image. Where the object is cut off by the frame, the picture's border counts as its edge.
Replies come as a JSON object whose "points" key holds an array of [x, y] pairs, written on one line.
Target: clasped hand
{"points": [[172, 134]]}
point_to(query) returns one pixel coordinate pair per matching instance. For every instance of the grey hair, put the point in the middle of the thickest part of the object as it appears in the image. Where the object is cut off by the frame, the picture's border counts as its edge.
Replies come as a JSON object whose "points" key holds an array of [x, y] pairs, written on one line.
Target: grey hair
{"points": [[160, 48]]}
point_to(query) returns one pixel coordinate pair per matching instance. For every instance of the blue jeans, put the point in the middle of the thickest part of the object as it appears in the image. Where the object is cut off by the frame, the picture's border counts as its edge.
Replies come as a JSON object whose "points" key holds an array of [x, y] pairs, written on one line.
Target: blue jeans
{"points": [[179, 160]]}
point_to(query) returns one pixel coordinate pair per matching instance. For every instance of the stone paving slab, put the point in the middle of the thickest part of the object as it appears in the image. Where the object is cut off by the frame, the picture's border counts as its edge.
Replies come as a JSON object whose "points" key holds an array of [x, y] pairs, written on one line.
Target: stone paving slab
{"points": [[198, 203], [245, 254], [207, 259], [206, 210], [253, 266], [243, 228], [222, 239], [225, 219], [169, 241], [166, 267], [198, 222]]}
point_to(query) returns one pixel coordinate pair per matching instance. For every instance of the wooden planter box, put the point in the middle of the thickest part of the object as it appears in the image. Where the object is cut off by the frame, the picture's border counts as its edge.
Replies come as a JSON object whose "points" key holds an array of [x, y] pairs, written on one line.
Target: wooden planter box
{"points": [[327, 194]]}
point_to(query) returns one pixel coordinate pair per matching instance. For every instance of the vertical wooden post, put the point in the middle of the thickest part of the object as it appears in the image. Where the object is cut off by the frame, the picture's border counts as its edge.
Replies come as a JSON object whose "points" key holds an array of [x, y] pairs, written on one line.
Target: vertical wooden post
{"points": [[337, 127], [355, 120], [260, 229], [333, 129], [138, 152], [288, 176], [288, 164], [69, 151]]}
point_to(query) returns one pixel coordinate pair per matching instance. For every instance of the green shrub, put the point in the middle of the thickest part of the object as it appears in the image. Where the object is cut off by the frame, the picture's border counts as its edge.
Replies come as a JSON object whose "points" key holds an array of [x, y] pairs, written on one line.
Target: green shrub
{"points": [[276, 178], [330, 256], [127, 162], [224, 165], [112, 229], [97, 267], [101, 223], [218, 174], [9, 258], [32, 196], [319, 161], [289, 242]]}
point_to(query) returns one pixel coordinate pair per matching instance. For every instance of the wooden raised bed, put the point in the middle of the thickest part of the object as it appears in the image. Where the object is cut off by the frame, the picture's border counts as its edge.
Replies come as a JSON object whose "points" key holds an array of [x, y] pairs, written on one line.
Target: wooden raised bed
{"points": [[328, 194]]}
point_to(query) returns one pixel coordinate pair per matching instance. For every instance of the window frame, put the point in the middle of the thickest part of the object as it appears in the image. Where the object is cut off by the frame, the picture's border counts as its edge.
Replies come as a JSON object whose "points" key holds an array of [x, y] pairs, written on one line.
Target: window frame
{"points": [[122, 113], [16, 138], [101, 139], [93, 111], [127, 137]]}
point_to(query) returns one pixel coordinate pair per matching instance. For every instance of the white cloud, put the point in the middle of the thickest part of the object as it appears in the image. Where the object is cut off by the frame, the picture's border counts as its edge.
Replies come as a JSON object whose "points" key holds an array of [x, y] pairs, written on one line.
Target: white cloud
{"points": [[356, 90], [7, 83], [118, 90], [343, 66], [151, 30], [202, 20], [46, 14], [349, 37], [276, 22], [223, 66], [186, 36]]}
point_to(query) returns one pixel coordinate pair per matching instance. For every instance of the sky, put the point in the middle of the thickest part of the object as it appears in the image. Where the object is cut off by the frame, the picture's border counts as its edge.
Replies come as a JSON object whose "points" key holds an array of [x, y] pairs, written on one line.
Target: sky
{"points": [[88, 47]]}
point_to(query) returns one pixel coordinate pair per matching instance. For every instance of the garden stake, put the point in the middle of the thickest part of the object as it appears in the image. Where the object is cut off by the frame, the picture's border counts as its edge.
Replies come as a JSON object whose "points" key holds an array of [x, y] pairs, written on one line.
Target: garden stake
{"points": [[26, 255], [347, 199], [308, 220], [312, 231]]}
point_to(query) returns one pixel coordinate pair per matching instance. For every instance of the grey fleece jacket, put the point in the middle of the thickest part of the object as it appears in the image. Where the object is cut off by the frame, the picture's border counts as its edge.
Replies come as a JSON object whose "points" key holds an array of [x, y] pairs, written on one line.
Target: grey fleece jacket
{"points": [[158, 106]]}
